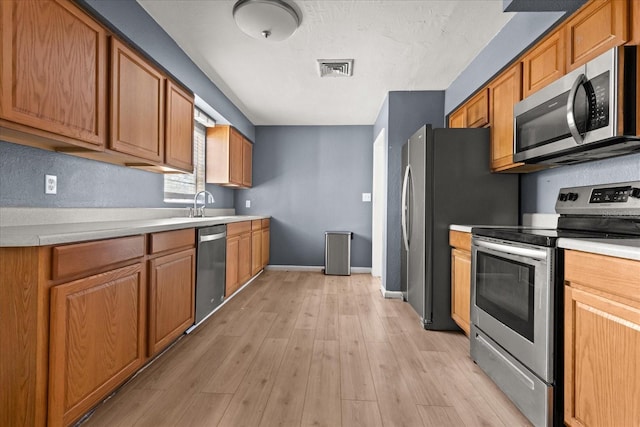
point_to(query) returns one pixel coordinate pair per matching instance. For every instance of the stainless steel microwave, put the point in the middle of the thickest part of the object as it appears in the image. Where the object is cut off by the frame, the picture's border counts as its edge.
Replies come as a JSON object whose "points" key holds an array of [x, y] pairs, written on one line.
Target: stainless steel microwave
{"points": [[588, 114]]}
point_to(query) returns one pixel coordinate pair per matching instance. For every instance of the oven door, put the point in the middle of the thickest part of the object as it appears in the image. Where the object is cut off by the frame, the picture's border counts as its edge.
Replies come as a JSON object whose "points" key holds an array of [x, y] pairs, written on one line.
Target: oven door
{"points": [[512, 300]]}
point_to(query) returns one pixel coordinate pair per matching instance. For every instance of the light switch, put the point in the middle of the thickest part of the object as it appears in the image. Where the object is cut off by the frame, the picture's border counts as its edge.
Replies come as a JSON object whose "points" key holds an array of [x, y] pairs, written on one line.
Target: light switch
{"points": [[50, 184], [366, 197], [247, 203]]}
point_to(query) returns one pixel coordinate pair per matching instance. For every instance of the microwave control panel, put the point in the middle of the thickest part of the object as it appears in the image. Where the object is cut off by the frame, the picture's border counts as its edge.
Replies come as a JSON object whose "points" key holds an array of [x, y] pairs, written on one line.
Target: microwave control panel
{"points": [[597, 90]]}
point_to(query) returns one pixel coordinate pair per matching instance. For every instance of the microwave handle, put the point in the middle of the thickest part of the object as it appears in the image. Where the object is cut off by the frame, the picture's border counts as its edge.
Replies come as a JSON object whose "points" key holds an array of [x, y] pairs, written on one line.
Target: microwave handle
{"points": [[571, 117]]}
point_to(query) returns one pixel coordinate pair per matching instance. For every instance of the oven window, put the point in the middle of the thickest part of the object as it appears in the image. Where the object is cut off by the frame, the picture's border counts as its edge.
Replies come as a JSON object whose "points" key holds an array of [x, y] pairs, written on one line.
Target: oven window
{"points": [[505, 290]]}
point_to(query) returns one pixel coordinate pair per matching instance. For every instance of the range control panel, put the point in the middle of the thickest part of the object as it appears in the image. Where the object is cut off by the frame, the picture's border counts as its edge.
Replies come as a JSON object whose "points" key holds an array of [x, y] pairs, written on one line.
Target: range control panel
{"points": [[612, 199]]}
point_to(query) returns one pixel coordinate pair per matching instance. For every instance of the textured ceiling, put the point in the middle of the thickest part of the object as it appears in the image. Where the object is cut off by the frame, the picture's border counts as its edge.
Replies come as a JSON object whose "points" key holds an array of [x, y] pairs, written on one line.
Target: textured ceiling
{"points": [[396, 45]]}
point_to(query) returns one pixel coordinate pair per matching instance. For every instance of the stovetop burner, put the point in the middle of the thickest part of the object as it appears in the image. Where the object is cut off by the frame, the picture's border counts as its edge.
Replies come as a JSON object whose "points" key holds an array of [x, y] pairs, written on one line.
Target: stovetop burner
{"points": [[591, 212]]}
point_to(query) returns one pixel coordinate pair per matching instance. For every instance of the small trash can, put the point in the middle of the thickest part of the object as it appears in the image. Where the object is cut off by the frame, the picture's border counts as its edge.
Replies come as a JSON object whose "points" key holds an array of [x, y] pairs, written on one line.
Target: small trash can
{"points": [[337, 253]]}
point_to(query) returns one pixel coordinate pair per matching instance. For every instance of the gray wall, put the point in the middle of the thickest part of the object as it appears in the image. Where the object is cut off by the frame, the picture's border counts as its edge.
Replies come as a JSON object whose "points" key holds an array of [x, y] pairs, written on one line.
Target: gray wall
{"points": [[408, 111], [81, 182], [310, 179], [539, 190]]}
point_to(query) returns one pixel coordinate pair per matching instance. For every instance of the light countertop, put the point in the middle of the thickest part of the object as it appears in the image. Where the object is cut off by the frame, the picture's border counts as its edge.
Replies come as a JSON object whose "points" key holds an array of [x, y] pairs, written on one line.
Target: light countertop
{"points": [[621, 248], [53, 234]]}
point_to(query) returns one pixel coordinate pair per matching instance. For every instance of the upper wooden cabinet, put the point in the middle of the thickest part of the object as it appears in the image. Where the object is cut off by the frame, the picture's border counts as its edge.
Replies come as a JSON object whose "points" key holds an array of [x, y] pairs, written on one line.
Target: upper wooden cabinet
{"points": [[543, 64], [54, 71], [635, 22], [229, 157], [457, 118], [179, 128], [599, 26], [473, 114], [504, 93], [137, 105], [55, 81], [247, 163]]}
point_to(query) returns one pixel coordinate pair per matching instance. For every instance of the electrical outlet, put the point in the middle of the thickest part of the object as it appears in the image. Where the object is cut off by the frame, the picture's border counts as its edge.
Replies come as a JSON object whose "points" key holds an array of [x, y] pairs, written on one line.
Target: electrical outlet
{"points": [[366, 197], [50, 184], [247, 203]]}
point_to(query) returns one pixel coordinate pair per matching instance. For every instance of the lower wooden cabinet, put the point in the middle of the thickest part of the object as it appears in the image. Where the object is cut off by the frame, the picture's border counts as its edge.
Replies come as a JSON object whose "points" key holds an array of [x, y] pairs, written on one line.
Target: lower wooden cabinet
{"points": [[96, 339], [171, 298], [602, 340], [244, 258], [461, 279], [233, 255], [266, 241], [256, 251]]}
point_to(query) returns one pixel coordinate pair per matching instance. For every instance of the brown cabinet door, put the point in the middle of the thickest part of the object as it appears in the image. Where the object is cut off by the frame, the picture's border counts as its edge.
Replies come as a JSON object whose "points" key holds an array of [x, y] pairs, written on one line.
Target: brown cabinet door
{"points": [[97, 334], [235, 157], [256, 252], [634, 14], [171, 298], [265, 247], [544, 64], [247, 163], [179, 128], [602, 360], [457, 118], [505, 92], [53, 72], [461, 288], [244, 258], [233, 257], [137, 105], [594, 29], [477, 110]]}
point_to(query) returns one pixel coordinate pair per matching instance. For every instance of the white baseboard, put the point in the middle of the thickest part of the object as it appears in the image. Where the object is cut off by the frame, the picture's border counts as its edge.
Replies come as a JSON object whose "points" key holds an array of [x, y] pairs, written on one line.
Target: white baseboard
{"points": [[320, 268], [390, 294]]}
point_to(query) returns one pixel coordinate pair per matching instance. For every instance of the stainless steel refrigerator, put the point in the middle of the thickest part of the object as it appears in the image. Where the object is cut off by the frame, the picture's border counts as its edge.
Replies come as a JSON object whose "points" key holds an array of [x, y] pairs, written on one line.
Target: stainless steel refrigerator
{"points": [[446, 181]]}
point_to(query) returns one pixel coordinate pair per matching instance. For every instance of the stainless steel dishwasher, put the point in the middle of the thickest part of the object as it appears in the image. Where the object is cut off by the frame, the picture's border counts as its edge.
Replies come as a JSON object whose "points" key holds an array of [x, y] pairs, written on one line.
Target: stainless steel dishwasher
{"points": [[211, 270]]}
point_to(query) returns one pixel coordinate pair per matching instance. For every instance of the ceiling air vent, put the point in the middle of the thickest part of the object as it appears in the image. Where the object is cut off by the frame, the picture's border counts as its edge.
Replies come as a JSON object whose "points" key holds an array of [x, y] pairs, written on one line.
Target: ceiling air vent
{"points": [[335, 67]]}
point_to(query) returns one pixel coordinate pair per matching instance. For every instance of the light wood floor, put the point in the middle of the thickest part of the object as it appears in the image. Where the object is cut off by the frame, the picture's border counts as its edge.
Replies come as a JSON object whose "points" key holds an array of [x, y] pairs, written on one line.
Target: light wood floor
{"points": [[304, 349]]}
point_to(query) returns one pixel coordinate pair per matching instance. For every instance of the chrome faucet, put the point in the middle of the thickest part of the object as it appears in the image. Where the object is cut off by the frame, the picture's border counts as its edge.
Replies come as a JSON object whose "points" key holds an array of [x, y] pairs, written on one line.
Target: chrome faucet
{"points": [[199, 212]]}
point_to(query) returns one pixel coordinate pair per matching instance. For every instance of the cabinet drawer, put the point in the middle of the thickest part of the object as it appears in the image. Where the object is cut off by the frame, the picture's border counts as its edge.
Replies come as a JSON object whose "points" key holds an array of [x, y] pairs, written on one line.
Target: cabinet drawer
{"points": [[72, 260], [460, 240], [238, 228], [266, 223], [167, 240], [256, 224], [617, 276]]}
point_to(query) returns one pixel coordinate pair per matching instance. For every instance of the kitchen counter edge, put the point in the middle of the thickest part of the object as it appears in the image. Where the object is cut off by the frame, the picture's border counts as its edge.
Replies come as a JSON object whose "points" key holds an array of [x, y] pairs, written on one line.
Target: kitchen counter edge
{"points": [[619, 248], [55, 234]]}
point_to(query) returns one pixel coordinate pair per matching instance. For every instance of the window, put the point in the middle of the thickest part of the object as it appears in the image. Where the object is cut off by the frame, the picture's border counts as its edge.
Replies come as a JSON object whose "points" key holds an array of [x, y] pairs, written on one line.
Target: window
{"points": [[181, 187]]}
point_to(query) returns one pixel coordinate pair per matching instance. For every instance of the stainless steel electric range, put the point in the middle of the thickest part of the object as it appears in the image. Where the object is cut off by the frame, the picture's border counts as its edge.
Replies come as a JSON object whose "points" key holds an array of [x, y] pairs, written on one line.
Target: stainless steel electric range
{"points": [[517, 298]]}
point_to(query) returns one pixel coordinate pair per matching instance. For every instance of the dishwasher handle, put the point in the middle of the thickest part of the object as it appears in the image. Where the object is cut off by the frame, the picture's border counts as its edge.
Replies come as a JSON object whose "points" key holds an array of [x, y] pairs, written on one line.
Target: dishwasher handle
{"points": [[212, 237]]}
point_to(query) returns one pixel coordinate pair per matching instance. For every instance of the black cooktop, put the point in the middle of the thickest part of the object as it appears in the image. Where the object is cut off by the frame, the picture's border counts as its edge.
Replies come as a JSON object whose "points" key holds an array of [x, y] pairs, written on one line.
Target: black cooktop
{"points": [[541, 236]]}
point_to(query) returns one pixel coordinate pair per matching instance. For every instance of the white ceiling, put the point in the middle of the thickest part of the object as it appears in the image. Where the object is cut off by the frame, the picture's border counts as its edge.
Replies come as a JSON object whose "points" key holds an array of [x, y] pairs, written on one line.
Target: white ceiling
{"points": [[396, 45]]}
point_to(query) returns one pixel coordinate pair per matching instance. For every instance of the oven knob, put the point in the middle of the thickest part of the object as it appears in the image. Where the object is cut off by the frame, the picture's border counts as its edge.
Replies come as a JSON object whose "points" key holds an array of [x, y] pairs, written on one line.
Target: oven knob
{"points": [[562, 197], [572, 196], [635, 192]]}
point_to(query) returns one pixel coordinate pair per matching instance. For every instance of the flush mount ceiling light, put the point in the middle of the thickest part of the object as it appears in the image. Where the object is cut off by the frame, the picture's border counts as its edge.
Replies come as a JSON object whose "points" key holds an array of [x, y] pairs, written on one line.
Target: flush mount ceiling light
{"points": [[272, 20]]}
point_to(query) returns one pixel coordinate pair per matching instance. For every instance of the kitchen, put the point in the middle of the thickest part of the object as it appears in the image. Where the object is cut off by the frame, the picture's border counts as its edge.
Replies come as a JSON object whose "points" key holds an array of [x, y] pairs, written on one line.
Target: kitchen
{"points": [[283, 172]]}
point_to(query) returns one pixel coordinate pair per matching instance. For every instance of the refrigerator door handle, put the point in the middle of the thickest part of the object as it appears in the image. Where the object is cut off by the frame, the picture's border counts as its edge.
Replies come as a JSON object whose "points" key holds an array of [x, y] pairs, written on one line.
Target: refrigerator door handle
{"points": [[405, 207]]}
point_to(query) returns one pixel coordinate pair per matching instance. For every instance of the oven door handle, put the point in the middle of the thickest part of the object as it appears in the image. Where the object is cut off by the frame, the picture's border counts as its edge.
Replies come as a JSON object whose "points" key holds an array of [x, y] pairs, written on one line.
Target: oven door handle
{"points": [[571, 116], [527, 252]]}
